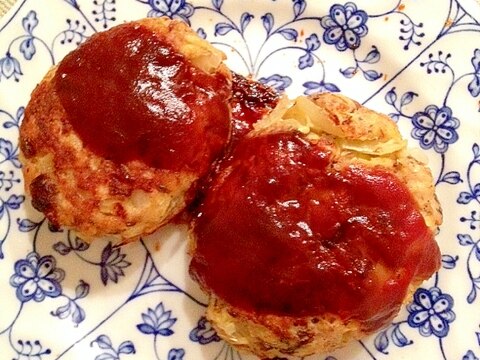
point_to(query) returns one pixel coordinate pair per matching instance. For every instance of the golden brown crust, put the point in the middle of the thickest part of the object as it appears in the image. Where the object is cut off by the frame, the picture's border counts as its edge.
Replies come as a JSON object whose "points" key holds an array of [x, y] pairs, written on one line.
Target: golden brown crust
{"points": [[357, 136], [270, 336], [79, 190], [357, 122]]}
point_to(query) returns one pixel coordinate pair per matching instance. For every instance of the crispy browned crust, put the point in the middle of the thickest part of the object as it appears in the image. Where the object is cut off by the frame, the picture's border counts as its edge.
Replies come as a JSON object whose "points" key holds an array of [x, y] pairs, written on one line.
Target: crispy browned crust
{"points": [[79, 190], [270, 336], [357, 136], [273, 336]]}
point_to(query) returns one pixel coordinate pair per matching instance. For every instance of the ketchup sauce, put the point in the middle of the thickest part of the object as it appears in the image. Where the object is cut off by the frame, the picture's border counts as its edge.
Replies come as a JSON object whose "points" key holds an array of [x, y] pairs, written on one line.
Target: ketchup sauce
{"points": [[280, 232], [250, 101], [131, 96]]}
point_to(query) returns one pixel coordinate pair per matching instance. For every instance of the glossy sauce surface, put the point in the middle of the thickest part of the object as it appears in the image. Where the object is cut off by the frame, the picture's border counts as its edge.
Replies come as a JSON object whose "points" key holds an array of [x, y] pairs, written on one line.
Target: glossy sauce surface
{"points": [[250, 101], [279, 232], [130, 96]]}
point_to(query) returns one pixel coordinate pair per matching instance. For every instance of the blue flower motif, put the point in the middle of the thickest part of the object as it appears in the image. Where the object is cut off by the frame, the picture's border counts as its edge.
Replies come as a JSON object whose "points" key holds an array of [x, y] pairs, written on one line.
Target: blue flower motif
{"points": [[9, 66], [204, 333], [30, 21], [157, 322], [344, 26], [435, 127], [9, 152], [37, 277], [112, 264], [201, 32], [104, 343], [313, 87], [277, 82], [474, 85], [470, 355], [476, 61], [312, 43], [299, 7], [431, 312], [176, 354], [174, 9]]}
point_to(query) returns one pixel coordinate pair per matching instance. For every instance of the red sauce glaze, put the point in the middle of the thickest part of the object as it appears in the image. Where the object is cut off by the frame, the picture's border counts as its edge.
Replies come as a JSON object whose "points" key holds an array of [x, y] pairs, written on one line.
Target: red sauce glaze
{"points": [[251, 100], [131, 96], [280, 233]]}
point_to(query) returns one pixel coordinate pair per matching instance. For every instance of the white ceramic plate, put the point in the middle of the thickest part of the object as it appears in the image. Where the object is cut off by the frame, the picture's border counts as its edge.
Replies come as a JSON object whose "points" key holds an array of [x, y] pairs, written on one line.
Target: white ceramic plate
{"points": [[415, 60]]}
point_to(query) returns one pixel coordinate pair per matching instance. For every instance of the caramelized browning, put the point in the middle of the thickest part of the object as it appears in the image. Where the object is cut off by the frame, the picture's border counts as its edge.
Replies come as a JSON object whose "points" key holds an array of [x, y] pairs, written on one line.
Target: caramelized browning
{"points": [[251, 100], [43, 191], [117, 135]]}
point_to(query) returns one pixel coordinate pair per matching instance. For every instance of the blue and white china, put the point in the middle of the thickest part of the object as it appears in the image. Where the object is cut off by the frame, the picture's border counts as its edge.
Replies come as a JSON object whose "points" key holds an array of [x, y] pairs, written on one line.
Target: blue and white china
{"points": [[418, 61]]}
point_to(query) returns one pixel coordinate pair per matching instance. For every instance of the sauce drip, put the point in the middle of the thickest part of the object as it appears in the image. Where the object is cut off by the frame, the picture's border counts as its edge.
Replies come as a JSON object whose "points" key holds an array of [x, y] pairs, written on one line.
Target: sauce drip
{"points": [[279, 232], [131, 96]]}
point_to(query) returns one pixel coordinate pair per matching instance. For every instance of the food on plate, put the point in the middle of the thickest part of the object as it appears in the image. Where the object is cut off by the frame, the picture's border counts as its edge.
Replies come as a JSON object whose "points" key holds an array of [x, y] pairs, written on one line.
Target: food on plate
{"points": [[316, 229], [312, 222], [116, 136], [250, 102]]}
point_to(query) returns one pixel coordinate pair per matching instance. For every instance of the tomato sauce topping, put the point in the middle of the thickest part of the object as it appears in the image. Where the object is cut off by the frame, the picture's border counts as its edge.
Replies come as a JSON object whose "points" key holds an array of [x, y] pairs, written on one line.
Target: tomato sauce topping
{"points": [[130, 96], [251, 100], [280, 232]]}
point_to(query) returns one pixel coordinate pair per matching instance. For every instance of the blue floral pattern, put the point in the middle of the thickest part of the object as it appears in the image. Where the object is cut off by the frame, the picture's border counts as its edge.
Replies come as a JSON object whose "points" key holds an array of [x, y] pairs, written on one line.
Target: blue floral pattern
{"points": [[112, 264], [277, 81], [37, 278], [10, 67], [470, 355], [157, 321], [204, 333], [431, 312], [110, 352], [176, 354], [398, 57], [435, 127], [473, 193], [474, 85], [345, 26], [175, 9]]}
